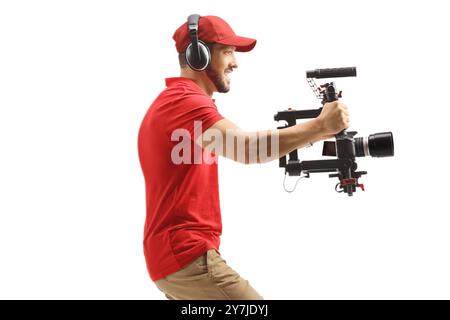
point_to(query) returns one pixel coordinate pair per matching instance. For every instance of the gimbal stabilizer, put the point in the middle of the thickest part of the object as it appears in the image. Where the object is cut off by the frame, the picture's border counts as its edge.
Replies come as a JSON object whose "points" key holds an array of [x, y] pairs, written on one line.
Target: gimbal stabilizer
{"points": [[346, 147]]}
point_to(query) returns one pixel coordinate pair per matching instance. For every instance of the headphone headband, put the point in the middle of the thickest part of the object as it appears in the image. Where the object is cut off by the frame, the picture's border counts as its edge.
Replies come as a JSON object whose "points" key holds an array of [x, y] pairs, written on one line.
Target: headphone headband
{"points": [[197, 53], [193, 22], [193, 32]]}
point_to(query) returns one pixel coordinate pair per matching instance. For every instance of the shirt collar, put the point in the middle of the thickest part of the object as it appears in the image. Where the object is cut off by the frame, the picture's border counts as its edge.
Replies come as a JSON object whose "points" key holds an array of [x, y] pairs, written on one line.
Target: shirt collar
{"points": [[173, 80]]}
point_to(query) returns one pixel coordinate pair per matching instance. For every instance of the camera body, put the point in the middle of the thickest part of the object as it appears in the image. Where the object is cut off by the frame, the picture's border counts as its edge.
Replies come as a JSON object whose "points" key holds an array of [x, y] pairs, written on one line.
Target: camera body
{"points": [[346, 147]]}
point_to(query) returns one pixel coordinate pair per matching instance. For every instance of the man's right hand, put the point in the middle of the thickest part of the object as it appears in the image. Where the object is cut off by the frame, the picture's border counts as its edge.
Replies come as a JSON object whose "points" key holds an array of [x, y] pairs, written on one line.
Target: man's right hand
{"points": [[334, 118]]}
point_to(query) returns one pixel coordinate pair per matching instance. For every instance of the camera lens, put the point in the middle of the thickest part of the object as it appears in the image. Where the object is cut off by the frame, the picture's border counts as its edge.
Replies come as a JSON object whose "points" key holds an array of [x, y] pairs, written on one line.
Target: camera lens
{"points": [[375, 145]]}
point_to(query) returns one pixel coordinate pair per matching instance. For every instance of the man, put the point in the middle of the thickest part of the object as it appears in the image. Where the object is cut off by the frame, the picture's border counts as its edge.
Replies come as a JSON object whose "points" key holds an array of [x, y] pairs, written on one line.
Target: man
{"points": [[183, 224]]}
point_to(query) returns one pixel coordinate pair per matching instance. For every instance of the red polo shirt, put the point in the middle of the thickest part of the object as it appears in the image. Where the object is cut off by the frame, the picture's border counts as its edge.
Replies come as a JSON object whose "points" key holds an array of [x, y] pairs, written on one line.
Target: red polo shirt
{"points": [[183, 211]]}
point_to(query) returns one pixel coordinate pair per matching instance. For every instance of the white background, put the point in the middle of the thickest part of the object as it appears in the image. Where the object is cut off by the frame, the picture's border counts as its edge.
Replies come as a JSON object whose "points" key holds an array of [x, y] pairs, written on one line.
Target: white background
{"points": [[76, 78]]}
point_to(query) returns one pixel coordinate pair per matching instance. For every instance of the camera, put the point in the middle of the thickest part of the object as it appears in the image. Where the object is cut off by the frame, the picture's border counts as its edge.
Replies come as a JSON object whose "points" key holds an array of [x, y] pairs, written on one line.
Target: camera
{"points": [[375, 145]]}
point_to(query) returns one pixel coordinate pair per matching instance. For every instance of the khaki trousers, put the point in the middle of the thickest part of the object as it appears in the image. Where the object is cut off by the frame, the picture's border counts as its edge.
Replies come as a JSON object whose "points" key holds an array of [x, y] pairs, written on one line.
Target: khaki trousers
{"points": [[207, 278]]}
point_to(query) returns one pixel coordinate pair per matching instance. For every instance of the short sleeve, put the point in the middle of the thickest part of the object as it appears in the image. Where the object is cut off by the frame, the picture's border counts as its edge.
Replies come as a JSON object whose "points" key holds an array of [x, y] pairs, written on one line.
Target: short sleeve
{"points": [[196, 114], [206, 117]]}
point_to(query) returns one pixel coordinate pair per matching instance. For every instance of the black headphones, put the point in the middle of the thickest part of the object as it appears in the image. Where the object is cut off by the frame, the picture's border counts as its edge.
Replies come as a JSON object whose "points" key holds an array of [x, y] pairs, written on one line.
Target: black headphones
{"points": [[197, 53]]}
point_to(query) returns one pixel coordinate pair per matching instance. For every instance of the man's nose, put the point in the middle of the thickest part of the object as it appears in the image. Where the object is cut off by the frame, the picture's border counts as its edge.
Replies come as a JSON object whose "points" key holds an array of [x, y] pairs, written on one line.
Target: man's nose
{"points": [[234, 63]]}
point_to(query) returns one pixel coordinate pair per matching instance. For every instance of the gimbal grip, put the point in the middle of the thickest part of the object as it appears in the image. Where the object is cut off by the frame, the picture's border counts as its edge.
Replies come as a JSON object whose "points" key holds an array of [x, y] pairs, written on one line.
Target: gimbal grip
{"points": [[332, 73]]}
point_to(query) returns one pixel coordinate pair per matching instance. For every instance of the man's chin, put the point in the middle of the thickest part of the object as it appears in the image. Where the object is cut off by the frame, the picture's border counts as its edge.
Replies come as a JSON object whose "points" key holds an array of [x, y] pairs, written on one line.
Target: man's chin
{"points": [[223, 89], [226, 85], [222, 85]]}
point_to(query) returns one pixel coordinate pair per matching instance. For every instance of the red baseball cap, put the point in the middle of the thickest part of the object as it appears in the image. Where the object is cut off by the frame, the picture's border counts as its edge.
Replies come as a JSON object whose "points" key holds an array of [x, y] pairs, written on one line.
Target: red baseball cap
{"points": [[212, 29]]}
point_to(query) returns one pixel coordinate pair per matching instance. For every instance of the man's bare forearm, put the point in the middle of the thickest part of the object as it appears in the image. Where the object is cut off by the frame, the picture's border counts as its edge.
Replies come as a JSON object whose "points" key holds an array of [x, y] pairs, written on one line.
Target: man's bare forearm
{"points": [[298, 136], [261, 146], [277, 143]]}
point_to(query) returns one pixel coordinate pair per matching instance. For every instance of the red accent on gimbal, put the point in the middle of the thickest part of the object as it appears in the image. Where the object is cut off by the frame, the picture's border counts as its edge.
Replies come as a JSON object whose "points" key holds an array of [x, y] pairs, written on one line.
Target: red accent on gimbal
{"points": [[349, 181]]}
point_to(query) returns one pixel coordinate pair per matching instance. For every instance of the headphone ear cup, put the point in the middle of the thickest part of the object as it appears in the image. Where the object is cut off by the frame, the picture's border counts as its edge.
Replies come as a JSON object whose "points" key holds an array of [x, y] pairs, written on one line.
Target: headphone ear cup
{"points": [[192, 60]]}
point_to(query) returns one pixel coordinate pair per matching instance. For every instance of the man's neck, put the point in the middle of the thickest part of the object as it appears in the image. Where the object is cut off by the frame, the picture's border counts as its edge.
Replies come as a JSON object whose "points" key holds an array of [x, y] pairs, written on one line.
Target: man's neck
{"points": [[200, 78]]}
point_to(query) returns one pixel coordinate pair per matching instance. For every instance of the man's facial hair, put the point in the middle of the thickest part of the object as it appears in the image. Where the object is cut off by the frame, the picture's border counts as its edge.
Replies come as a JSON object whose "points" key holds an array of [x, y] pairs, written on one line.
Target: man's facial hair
{"points": [[217, 79]]}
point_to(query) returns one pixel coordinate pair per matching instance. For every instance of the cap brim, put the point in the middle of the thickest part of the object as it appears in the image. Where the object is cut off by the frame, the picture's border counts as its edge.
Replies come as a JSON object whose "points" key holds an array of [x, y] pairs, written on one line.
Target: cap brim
{"points": [[242, 44]]}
